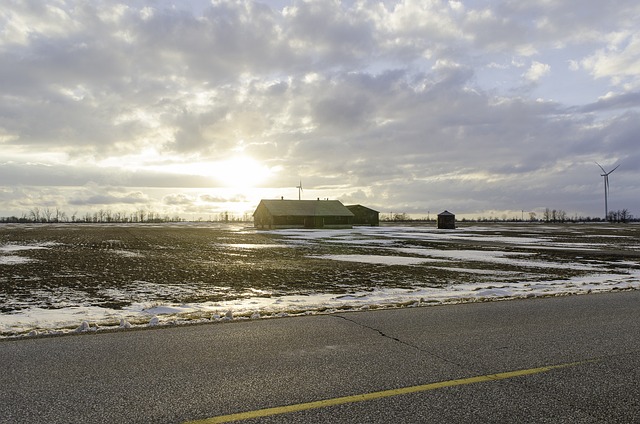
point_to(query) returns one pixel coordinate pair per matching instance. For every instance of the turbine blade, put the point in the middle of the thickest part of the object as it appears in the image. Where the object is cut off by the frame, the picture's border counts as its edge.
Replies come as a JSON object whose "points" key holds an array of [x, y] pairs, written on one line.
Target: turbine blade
{"points": [[614, 169], [601, 167]]}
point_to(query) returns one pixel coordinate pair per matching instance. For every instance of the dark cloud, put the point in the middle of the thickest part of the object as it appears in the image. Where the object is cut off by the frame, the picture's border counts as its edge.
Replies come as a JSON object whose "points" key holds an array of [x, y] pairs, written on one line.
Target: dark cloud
{"points": [[39, 174], [614, 102], [133, 198], [177, 200]]}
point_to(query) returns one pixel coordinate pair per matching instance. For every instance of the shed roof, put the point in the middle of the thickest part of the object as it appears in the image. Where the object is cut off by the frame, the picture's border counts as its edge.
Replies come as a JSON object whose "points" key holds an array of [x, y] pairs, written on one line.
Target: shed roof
{"points": [[280, 207], [446, 213], [361, 207]]}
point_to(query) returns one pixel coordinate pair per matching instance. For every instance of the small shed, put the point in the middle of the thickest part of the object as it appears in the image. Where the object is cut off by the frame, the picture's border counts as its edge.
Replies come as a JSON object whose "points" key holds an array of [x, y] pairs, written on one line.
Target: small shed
{"points": [[364, 215], [446, 220], [274, 214]]}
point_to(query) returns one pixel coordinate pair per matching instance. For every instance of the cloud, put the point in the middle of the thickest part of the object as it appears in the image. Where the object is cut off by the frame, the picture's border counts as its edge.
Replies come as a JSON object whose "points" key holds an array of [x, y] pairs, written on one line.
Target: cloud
{"points": [[217, 199], [131, 198], [402, 104], [613, 101], [74, 175], [178, 199], [619, 61], [536, 71]]}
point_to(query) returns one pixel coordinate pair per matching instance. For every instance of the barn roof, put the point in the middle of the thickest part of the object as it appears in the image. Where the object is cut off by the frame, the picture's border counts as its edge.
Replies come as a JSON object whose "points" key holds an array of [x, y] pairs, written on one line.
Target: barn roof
{"points": [[280, 207], [350, 207]]}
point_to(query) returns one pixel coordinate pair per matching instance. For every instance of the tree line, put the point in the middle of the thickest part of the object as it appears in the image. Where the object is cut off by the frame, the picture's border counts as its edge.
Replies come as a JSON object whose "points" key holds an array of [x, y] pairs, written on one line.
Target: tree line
{"points": [[548, 215], [622, 215], [619, 216], [56, 215]]}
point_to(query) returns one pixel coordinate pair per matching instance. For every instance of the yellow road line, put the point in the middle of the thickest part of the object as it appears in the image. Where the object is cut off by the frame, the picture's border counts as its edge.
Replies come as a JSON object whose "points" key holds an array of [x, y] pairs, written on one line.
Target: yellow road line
{"points": [[378, 395]]}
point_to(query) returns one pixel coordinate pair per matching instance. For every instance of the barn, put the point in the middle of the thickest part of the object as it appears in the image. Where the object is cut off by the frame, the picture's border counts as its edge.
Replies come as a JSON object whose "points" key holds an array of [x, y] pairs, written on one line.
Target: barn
{"points": [[364, 215], [273, 214]]}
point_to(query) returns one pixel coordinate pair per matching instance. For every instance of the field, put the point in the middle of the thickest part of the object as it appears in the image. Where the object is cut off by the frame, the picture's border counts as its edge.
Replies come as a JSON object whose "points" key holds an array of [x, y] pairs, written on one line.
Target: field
{"points": [[55, 277]]}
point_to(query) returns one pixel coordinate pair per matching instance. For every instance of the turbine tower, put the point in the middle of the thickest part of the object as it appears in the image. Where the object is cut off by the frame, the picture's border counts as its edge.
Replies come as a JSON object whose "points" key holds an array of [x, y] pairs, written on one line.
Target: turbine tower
{"points": [[605, 174], [299, 187]]}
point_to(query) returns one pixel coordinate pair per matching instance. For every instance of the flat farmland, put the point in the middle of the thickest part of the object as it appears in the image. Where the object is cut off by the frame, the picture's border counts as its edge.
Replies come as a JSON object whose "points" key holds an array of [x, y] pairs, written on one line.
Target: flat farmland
{"points": [[53, 278]]}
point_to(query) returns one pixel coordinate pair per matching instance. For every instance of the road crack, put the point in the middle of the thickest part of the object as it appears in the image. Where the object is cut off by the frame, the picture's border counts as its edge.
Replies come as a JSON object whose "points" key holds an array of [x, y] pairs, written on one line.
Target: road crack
{"points": [[403, 342]]}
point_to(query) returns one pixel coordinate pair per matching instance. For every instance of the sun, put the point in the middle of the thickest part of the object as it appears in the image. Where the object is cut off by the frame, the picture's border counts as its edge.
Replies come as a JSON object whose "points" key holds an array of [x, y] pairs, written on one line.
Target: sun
{"points": [[240, 172], [234, 172]]}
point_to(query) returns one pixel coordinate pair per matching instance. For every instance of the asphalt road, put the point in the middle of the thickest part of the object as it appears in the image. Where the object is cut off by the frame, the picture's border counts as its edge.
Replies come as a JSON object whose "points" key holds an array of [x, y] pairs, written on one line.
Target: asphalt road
{"points": [[178, 374]]}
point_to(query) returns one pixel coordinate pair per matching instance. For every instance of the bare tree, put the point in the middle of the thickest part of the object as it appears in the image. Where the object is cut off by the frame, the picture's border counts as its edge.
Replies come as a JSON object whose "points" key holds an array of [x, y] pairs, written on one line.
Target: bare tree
{"points": [[34, 214], [619, 216], [625, 216]]}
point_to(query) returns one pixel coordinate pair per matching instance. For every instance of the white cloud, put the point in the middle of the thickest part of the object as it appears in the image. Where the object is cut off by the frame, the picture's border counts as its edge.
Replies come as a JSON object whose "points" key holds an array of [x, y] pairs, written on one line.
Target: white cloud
{"points": [[536, 71], [619, 61]]}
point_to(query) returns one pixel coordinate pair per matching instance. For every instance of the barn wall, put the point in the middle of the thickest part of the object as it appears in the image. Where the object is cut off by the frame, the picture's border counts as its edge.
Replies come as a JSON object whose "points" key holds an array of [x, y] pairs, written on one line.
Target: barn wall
{"points": [[364, 215], [263, 219]]}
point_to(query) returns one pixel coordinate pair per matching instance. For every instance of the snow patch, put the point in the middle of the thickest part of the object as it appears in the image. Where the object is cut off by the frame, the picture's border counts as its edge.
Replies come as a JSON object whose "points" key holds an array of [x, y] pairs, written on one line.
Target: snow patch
{"points": [[70, 310], [126, 253], [375, 259], [254, 245], [15, 260]]}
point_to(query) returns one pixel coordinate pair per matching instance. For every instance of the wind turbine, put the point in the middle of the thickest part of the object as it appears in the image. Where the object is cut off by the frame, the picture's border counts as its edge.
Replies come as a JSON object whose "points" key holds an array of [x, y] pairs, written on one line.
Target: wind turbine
{"points": [[299, 187], [605, 174]]}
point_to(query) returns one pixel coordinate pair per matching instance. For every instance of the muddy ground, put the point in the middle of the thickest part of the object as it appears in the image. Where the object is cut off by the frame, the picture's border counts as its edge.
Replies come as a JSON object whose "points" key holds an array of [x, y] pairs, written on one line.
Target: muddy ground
{"points": [[114, 265]]}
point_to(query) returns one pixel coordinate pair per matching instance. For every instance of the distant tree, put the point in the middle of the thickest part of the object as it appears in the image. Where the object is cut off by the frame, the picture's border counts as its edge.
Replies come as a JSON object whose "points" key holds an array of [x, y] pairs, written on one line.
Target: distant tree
{"points": [[561, 215], [400, 217], [46, 215], [34, 214], [61, 216], [622, 215]]}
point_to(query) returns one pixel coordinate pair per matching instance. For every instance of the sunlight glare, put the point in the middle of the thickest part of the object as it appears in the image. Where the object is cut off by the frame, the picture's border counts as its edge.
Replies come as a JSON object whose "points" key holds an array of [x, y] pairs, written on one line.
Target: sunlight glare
{"points": [[240, 172]]}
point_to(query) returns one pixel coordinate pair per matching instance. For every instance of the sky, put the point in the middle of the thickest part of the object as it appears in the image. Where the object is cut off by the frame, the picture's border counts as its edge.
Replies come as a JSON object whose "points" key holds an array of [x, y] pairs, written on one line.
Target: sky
{"points": [[195, 108]]}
